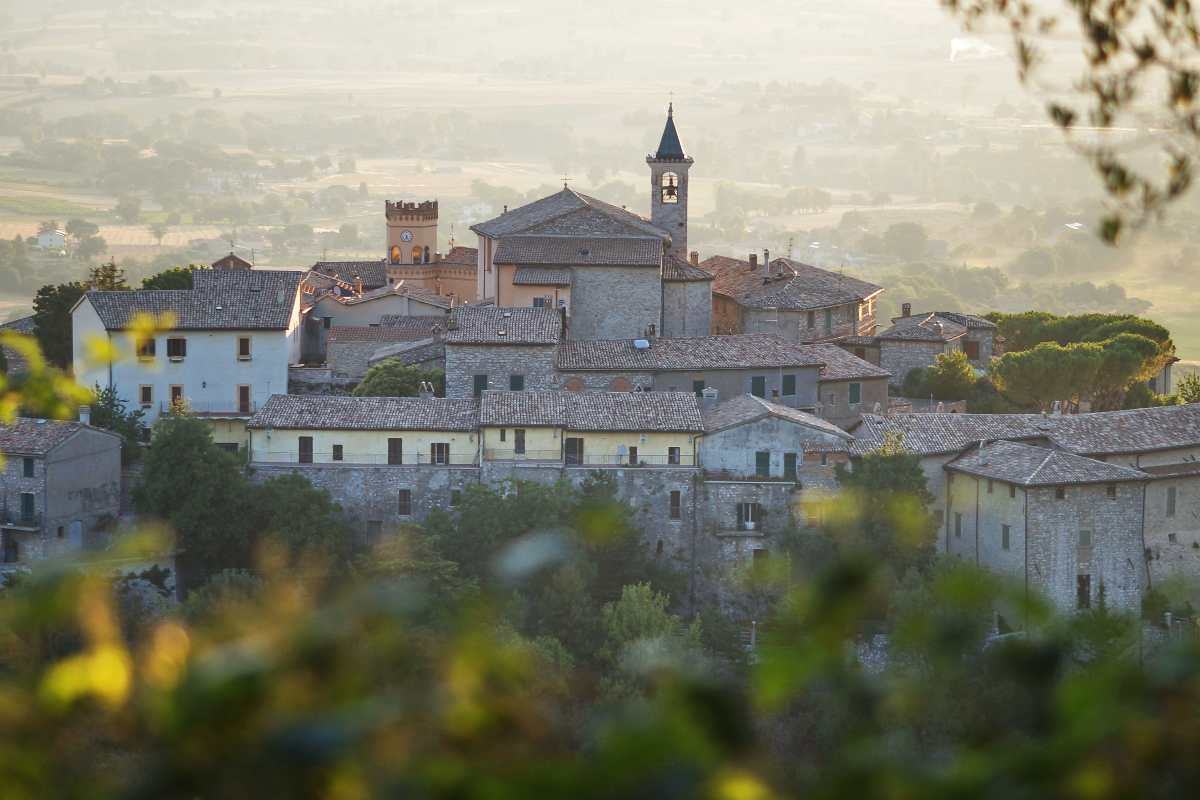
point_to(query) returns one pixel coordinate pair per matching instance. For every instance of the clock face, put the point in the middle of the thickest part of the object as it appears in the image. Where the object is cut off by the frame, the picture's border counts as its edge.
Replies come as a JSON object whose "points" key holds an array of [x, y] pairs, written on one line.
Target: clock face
{"points": [[406, 236]]}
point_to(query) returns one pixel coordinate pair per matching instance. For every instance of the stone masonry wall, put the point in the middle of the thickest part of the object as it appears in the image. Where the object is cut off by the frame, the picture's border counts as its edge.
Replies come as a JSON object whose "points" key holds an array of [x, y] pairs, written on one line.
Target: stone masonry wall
{"points": [[900, 358], [614, 302], [687, 308], [1173, 535], [498, 362]]}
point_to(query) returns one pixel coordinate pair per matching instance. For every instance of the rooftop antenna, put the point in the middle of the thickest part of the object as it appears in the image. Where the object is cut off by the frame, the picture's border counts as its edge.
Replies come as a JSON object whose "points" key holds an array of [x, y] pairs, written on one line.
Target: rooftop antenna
{"points": [[565, 179]]}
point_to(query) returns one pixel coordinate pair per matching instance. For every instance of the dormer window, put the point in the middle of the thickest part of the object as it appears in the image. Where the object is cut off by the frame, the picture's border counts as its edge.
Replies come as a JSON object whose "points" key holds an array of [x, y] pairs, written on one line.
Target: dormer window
{"points": [[670, 187]]}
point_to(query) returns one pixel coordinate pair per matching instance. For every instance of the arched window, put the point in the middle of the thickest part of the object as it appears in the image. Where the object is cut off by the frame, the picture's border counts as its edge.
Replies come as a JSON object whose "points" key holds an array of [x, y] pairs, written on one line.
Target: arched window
{"points": [[670, 187], [416, 254], [425, 256], [394, 255]]}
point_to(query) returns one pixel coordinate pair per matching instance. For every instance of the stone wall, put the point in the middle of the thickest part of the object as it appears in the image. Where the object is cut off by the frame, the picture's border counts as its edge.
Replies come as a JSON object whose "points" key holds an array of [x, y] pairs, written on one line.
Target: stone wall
{"points": [[794, 326], [499, 363], [310, 380], [985, 337], [593, 381], [728, 382], [687, 308], [614, 302], [733, 451], [1173, 534], [901, 357], [835, 400]]}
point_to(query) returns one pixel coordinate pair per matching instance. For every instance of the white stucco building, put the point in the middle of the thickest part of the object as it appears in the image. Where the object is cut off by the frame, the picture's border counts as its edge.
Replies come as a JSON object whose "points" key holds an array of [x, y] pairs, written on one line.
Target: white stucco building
{"points": [[231, 340]]}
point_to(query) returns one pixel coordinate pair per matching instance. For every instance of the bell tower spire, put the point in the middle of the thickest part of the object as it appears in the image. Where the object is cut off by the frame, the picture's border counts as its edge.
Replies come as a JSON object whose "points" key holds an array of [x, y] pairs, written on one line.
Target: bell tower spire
{"points": [[669, 167]]}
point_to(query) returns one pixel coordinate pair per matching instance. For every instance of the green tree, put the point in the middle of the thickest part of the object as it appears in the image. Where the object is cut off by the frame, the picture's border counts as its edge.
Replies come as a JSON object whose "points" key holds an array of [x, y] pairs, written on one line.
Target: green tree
{"points": [[110, 412], [107, 277], [200, 491], [305, 519], [392, 378], [89, 247], [80, 229], [174, 278], [1188, 388], [48, 226], [52, 320], [128, 209], [642, 636], [906, 241], [951, 377]]}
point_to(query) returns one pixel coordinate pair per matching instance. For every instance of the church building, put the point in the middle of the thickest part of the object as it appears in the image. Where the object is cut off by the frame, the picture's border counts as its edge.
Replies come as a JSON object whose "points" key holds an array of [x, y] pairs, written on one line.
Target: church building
{"points": [[616, 274]]}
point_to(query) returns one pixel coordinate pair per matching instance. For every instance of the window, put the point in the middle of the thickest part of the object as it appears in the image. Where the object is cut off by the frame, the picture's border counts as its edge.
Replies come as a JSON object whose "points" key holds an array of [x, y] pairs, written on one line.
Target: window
{"points": [[1085, 539], [145, 349], [676, 505], [633, 453], [327, 323], [698, 387], [1060, 492], [176, 349], [748, 516], [503, 434], [539, 302], [855, 393], [455, 497], [958, 524], [758, 386], [574, 451], [481, 383], [972, 350], [243, 399], [829, 320], [673, 456], [789, 465], [658, 548], [439, 453], [404, 503], [1170, 501], [145, 395], [416, 254], [306, 449], [519, 441], [176, 395], [27, 467], [27, 506], [61, 532], [1172, 538], [395, 451], [516, 383], [824, 459], [670, 187], [990, 482], [762, 463], [1012, 490], [1005, 536], [1083, 591], [789, 385], [337, 452], [811, 321], [228, 447], [243, 348], [1111, 491]]}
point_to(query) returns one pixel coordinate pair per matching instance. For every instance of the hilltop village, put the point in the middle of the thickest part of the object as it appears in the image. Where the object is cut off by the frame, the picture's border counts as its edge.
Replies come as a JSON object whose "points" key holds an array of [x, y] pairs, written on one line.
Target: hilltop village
{"points": [[719, 394]]}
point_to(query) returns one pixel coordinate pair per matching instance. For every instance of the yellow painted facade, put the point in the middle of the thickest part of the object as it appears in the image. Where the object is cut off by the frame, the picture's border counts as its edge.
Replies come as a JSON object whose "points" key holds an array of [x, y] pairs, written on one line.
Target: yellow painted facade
{"points": [[499, 444], [229, 431], [513, 296], [361, 447], [600, 448]]}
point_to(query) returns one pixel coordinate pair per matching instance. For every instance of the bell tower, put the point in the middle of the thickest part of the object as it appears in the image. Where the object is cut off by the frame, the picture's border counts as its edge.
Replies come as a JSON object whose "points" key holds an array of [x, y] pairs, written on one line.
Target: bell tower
{"points": [[669, 187]]}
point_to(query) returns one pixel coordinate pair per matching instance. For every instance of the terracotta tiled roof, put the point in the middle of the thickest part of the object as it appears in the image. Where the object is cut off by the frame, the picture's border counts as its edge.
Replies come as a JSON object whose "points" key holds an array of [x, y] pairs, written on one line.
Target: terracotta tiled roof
{"points": [[926, 328], [373, 273], [375, 333], [499, 325], [936, 434], [571, 250], [36, 437], [738, 351], [218, 300], [414, 292], [792, 285], [409, 353], [567, 213], [748, 408], [958, 317], [843, 366], [467, 256], [677, 269], [1026, 465], [316, 412], [1139, 430], [17, 363], [541, 276], [594, 411], [419, 325]]}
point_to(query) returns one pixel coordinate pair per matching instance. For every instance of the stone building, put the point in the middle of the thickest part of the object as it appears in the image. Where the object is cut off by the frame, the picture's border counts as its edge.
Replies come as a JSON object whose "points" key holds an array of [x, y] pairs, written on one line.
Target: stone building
{"points": [[60, 487], [848, 386], [615, 273], [350, 351], [333, 309], [489, 347], [1066, 526], [916, 342], [795, 301]]}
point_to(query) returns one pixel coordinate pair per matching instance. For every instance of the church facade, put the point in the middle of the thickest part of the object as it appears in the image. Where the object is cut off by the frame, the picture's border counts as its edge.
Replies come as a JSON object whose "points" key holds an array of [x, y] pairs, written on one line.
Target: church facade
{"points": [[616, 274]]}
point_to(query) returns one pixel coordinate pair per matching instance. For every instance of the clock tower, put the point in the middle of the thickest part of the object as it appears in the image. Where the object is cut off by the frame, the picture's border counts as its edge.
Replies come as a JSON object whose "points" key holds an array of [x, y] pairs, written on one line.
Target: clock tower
{"points": [[411, 232]]}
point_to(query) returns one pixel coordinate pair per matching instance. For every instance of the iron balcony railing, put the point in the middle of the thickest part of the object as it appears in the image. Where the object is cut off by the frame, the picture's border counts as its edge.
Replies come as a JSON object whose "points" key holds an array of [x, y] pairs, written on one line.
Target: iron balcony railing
{"points": [[588, 460], [20, 519], [210, 408], [522, 455], [326, 458]]}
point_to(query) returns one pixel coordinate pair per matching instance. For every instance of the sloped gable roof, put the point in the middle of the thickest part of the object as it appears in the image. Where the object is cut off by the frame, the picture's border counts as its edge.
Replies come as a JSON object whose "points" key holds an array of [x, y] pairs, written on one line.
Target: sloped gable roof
{"points": [[504, 326], [29, 436], [737, 351], [320, 412], [1026, 465], [593, 411], [746, 408], [571, 250], [540, 213], [927, 327], [792, 285]]}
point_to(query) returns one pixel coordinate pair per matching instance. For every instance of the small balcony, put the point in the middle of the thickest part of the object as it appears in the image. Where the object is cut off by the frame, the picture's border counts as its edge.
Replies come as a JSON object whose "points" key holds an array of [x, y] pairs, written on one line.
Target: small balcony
{"points": [[542, 456], [571, 459], [351, 459], [20, 520], [215, 409]]}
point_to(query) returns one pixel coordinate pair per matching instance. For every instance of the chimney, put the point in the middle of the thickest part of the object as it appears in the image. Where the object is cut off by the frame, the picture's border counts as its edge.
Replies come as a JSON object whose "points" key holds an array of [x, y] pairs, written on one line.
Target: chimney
{"points": [[766, 262], [85, 415], [906, 310], [505, 208], [753, 261], [358, 286], [694, 258], [425, 390], [709, 397]]}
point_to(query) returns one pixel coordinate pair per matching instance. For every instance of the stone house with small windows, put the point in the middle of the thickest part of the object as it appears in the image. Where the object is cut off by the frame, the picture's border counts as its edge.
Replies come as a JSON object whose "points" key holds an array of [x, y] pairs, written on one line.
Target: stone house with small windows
{"points": [[227, 347], [795, 301], [60, 490], [1064, 525], [491, 347]]}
